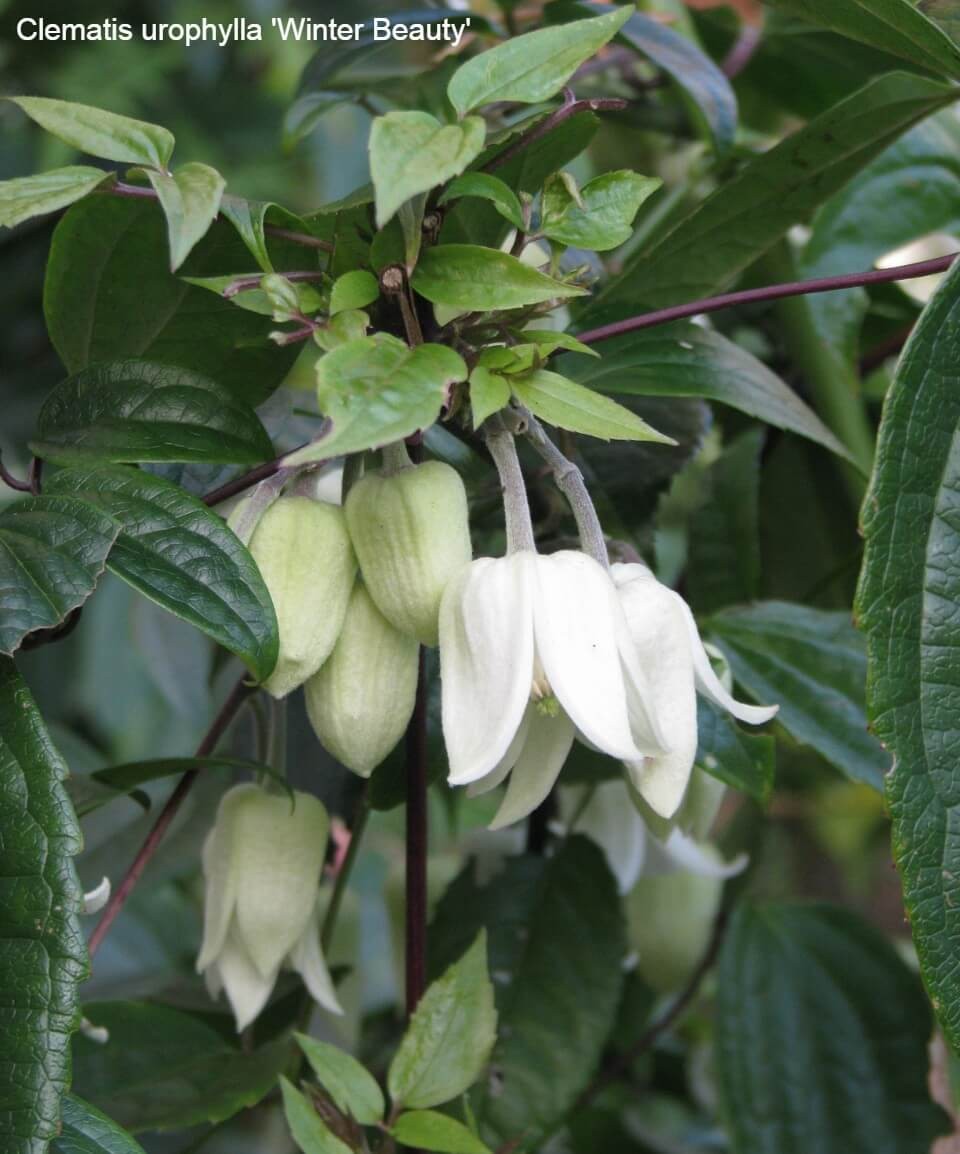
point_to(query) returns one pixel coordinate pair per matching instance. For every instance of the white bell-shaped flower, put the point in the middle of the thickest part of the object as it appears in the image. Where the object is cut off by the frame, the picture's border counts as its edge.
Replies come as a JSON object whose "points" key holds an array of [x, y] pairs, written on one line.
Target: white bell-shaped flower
{"points": [[667, 643], [535, 650], [262, 863]]}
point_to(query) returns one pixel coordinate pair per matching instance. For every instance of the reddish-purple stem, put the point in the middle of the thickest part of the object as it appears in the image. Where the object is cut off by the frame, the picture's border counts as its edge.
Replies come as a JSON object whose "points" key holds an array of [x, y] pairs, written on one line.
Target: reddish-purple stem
{"points": [[570, 107]]}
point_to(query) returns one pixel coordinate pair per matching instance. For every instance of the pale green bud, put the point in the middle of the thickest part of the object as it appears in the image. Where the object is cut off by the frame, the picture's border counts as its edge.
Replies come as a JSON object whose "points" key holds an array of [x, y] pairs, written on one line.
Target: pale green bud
{"points": [[411, 533], [304, 553], [361, 700]]}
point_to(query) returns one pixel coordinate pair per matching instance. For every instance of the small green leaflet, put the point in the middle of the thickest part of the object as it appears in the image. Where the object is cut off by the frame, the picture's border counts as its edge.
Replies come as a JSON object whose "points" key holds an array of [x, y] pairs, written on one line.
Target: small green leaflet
{"points": [[30, 196], [250, 219], [428, 1130], [603, 218], [471, 278], [412, 152], [549, 342], [489, 392], [567, 405], [190, 198], [309, 1130], [100, 133], [350, 1085], [486, 186], [85, 1130], [450, 1036], [353, 290], [375, 390], [532, 68]]}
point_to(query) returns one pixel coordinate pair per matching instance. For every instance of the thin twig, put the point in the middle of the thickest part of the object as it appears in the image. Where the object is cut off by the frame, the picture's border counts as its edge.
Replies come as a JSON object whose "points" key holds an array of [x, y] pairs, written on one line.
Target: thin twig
{"points": [[13, 482], [570, 107], [228, 711], [743, 51], [516, 508], [245, 283], [417, 845], [768, 293], [246, 480], [36, 475]]}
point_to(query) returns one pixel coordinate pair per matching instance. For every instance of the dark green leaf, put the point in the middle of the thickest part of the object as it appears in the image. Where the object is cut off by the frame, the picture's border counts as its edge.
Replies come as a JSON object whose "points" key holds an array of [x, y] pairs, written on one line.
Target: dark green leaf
{"points": [[179, 554], [909, 589], [486, 186], [125, 778], [468, 277], [822, 1037], [42, 956], [86, 1131], [428, 1130], [743, 760], [568, 405], [190, 198], [946, 13], [309, 1130], [350, 1085], [100, 133], [30, 196], [130, 411]]}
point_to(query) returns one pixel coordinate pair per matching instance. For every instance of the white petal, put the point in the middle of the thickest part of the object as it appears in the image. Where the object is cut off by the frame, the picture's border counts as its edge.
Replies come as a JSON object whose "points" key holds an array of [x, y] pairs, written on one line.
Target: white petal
{"points": [[498, 775], [307, 959], [247, 989], [541, 759], [220, 874], [612, 821], [486, 661], [94, 900], [576, 641], [680, 853]]}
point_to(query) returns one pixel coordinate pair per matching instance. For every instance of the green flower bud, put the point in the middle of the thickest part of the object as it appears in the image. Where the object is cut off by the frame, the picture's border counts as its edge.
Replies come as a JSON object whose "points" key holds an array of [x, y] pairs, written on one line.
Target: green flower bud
{"points": [[411, 534], [361, 700], [304, 553]]}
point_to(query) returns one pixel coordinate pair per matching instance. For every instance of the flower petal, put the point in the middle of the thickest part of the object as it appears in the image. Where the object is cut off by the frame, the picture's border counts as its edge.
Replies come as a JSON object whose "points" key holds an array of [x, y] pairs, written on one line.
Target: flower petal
{"points": [[498, 775], [307, 959], [541, 759], [680, 853], [611, 820], [576, 641], [247, 989], [486, 661], [220, 876]]}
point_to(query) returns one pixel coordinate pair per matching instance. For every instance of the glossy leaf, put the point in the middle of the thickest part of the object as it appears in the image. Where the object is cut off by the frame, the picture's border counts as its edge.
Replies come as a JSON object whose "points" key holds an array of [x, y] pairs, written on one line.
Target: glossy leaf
{"points": [[451, 1033], [604, 217], [100, 133], [43, 958], [30, 196], [176, 552], [428, 1130], [468, 277], [353, 290], [813, 663], [132, 411], [486, 186], [822, 1037], [85, 1130], [531, 68], [743, 760], [190, 198], [350, 1085], [909, 588], [311, 1134], [568, 405], [52, 552]]}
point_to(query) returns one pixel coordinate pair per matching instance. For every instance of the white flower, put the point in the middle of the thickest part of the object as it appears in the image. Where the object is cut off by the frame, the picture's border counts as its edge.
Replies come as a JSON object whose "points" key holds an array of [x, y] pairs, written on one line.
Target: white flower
{"points": [[535, 650], [668, 646], [262, 863]]}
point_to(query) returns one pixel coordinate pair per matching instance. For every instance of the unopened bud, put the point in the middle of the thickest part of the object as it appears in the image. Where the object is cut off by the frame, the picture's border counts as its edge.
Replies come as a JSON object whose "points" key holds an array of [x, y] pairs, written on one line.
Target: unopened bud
{"points": [[362, 698], [411, 533], [304, 553], [669, 922]]}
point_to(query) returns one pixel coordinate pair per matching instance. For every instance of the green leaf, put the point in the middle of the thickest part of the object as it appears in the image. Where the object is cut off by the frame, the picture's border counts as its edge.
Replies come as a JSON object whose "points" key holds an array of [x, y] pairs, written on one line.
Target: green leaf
{"points": [[30, 196], [813, 664], [100, 133], [894, 26], [412, 152], [746, 216], [43, 958], [127, 777], [557, 944], [52, 552], [190, 198], [309, 1130], [467, 277], [532, 68], [129, 411], [946, 13], [486, 186], [353, 1089], [744, 761], [489, 393], [568, 405], [604, 218], [86, 1131], [251, 217], [353, 290], [375, 390], [163, 1069], [304, 115], [549, 342], [689, 361], [822, 1035], [906, 603], [428, 1130], [451, 1033], [176, 552]]}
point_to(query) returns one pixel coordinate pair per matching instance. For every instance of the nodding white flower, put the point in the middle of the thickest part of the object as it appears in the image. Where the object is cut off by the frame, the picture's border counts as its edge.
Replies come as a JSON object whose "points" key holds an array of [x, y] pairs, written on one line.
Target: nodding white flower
{"points": [[262, 863], [533, 651], [668, 646]]}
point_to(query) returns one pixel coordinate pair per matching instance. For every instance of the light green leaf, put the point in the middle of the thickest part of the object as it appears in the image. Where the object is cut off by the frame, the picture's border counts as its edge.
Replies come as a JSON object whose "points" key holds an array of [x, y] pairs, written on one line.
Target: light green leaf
{"points": [[489, 393], [549, 342], [353, 290], [412, 152], [85, 1130], [190, 198], [353, 1089], [604, 219], [100, 133], [450, 1035], [532, 68], [375, 390], [468, 277], [567, 405], [30, 196], [486, 186], [309, 1130], [44, 959], [342, 329], [907, 604], [428, 1130]]}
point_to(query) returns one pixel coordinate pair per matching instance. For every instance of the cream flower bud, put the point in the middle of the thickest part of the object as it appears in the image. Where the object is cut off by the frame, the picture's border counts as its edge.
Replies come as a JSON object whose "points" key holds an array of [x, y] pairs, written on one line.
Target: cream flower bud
{"points": [[262, 863], [304, 553], [361, 700], [411, 533]]}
